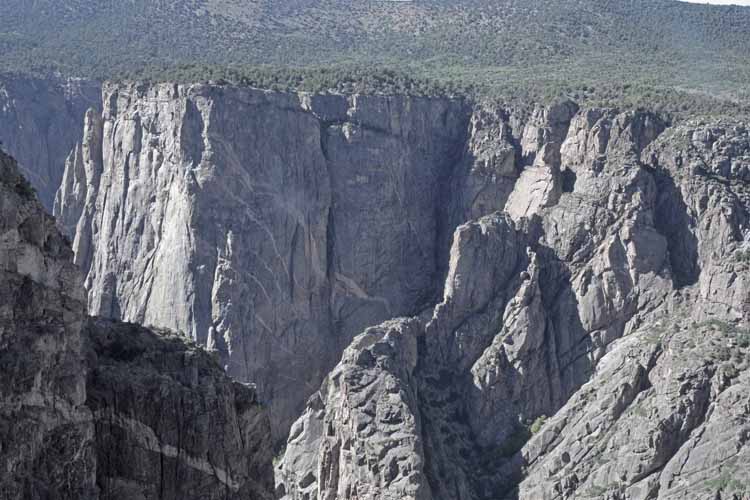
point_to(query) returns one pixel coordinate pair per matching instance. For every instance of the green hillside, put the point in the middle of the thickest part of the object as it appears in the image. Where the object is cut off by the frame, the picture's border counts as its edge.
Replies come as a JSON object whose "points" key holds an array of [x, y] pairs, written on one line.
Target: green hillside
{"points": [[507, 45]]}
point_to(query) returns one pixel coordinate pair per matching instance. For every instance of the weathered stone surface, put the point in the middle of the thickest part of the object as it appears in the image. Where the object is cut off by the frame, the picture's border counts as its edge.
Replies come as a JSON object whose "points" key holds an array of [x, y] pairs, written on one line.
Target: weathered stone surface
{"points": [[360, 436], [487, 171], [40, 122], [705, 213], [46, 432], [82, 168], [551, 314], [338, 216], [272, 227], [169, 423], [108, 410], [665, 416], [539, 185]]}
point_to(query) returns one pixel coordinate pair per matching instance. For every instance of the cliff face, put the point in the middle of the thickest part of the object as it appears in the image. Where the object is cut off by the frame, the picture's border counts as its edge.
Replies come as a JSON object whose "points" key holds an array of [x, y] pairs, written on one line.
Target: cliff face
{"points": [[95, 409], [40, 122], [169, 424], [46, 431], [270, 227], [613, 294], [540, 264]]}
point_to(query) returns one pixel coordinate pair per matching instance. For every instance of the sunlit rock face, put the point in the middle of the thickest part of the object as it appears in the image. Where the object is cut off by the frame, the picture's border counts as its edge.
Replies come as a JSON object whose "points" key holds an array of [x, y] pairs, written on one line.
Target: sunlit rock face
{"points": [[520, 279], [590, 344], [270, 227]]}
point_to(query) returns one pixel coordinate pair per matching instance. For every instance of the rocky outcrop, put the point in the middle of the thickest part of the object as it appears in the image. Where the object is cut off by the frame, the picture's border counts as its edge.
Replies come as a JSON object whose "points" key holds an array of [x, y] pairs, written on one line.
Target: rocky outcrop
{"points": [[527, 256], [665, 416], [40, 122], [94, 409], [338, 215], [373, 429], [46, 431], [360, 436], [169, 423], [702, 174], [74, 195], [550, 310]]}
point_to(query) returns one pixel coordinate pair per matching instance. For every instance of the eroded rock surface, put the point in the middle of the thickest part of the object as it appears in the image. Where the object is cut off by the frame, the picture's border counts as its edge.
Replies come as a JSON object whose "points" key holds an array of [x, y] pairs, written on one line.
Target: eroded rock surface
{"points": [[271, 227], [338, 214], [40, 122], [94, 409], [360, 436], [46, 431], [581, 307], [665, 416], [524, 253], [169, 423]]}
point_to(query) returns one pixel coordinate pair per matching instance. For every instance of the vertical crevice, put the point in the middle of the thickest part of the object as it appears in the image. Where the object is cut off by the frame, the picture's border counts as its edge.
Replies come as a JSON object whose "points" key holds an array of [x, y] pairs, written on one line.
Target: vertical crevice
{"points": [[292, 259], [672, 219]]}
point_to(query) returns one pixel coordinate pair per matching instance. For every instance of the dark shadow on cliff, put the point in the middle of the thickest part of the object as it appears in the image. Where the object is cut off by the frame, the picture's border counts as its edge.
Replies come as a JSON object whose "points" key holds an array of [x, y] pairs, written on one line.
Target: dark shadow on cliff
{"points": [[546, 379], [672, 219], [486, 465]]}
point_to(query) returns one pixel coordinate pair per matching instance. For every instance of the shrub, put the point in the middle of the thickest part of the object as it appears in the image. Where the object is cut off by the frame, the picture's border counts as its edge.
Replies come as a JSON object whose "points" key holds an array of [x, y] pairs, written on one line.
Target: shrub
{"points": [[538, 424], [25, 190]]}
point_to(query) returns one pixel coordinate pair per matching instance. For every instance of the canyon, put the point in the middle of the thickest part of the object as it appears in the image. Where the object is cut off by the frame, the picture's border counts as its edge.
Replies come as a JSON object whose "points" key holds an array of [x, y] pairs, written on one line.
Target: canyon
{"points": [[436, 298]]}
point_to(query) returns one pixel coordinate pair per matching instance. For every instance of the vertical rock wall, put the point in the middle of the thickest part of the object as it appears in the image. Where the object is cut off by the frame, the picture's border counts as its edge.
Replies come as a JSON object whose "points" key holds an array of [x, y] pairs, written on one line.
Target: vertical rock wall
{"points": [[40, 122], [583, 303], [271, 227]]}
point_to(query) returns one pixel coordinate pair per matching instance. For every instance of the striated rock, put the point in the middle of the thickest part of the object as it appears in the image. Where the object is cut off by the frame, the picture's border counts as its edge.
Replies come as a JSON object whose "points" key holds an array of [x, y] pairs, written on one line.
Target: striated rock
{"points": [[549, 315], [530, 255], [339, 215], [169, 422], [82, 169], [331, 222], [93, 409], [360, 436], [46, 432], [40, 122], [665, 416]]}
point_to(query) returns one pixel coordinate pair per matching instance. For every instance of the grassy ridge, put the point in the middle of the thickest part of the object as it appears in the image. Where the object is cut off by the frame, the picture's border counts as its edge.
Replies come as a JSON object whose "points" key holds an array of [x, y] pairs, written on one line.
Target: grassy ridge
{"points": [[688, 55]]}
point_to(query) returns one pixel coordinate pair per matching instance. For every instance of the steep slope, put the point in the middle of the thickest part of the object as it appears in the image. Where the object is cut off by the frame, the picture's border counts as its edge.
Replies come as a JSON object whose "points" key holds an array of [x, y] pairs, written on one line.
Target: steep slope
{"points": [[609, 242], [665, 416], [275, 226], [271, 227], [46, 431], [40, 122], [169, 423], [338, 215], [94, 409]]}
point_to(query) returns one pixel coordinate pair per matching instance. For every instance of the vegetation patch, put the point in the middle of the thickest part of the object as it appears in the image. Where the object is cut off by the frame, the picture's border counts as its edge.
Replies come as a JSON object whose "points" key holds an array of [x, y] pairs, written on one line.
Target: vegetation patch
{"points": [[742, 255], [25, 189], [538, 424], [682, 60]]}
